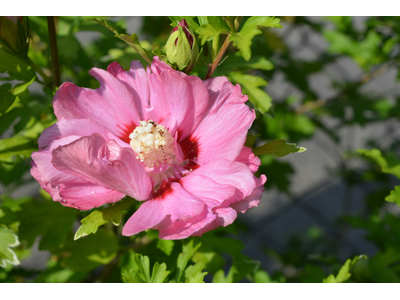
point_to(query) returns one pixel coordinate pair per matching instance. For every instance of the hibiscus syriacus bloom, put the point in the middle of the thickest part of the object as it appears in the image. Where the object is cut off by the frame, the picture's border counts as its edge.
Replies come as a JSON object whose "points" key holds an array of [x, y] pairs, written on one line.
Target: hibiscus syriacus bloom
{"points": [[159, 136]]}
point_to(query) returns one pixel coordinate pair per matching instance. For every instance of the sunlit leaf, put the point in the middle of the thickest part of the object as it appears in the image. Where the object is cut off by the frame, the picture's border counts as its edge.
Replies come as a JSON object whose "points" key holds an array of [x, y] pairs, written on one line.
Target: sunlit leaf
{"points": [[91, 223], [344, 272], [8, 239], [277, 148]]}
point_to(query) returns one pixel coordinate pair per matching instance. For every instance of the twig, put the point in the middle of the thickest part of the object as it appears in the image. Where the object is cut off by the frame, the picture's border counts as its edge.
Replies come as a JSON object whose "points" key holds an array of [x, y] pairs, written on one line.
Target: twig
{"points": [[54, 51], [221, 53]]}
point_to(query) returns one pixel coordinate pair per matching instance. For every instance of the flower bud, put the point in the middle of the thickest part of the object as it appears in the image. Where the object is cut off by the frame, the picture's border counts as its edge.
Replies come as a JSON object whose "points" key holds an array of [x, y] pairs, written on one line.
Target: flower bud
{"points": [[14, 35], [181, 48]]}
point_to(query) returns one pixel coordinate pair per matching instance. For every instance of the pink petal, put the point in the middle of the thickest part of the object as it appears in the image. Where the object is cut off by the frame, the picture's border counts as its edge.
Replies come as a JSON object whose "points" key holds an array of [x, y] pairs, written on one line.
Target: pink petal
{"points": [[104, 164], [210, 192], [70, 190], [223, 171], [253, 199], [135, 81], [85, 196], [111, 105], [222, 92], [181, 98], [222, 134], [73, 127], [173, 204], [248, 158]]}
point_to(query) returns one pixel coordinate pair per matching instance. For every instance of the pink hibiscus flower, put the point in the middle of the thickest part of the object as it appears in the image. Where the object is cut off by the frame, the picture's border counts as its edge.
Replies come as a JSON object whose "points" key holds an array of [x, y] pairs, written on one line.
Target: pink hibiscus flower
{"points": [[156, 135]]}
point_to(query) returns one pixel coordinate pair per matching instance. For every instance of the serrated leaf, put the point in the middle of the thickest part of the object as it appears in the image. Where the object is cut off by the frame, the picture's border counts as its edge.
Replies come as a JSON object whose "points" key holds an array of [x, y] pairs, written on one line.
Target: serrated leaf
{"points": [[219, 276], [91, 223], [131, 40], [243, 39], [141, 271], [389, 164], [261, 100], [193, 273], [344, 272], [183, 258], [16, 145], [8, 239], [212, 27], [394, 195], [165, 246], [277, 148], [48, 219], [90, 252]]}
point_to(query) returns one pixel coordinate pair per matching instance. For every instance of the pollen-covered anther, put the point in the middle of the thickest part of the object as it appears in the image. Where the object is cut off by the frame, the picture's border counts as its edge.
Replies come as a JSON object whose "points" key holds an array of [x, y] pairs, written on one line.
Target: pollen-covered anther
{"points": [[152, 143]]}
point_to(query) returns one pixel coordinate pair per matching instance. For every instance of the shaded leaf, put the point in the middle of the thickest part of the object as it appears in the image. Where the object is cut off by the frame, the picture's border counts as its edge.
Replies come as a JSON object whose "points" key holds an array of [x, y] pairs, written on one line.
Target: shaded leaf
{"points": [[251, 139], [16, 67], [90, 252], [131, 40], [277, 148], [16, 145], [48, 219]]}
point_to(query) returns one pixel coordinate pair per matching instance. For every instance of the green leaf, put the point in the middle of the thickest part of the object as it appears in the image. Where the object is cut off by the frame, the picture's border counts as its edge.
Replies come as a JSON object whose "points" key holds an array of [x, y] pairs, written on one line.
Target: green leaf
{"points": [[48, 219], [103, 216], [8, 95], [141, 271], [260, 99], [90, 252], [16, 67], [183, 258], [262, 277], [277, 148], [131, 40], [394, 196], [191, 22], [211, 28], [165, 246], [389, 164], [243, 39], [16, 145], [219, 276], [7, 240], [193, 273], [251, 139], [344, 272]]}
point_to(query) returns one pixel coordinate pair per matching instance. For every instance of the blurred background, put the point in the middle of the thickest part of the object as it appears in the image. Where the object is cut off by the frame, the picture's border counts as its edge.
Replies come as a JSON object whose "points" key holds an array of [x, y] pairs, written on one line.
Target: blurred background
{"points": [[334, 88]]}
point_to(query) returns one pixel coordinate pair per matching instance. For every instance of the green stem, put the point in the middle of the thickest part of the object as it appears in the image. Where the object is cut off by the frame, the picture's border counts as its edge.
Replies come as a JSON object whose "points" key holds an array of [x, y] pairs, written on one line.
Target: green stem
{"points": [[39, 70], [54, 51]]}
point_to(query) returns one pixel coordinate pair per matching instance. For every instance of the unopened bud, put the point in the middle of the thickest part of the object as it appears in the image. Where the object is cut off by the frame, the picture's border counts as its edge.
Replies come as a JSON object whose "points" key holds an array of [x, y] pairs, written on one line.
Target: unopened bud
{"points": [[181, 48]]}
